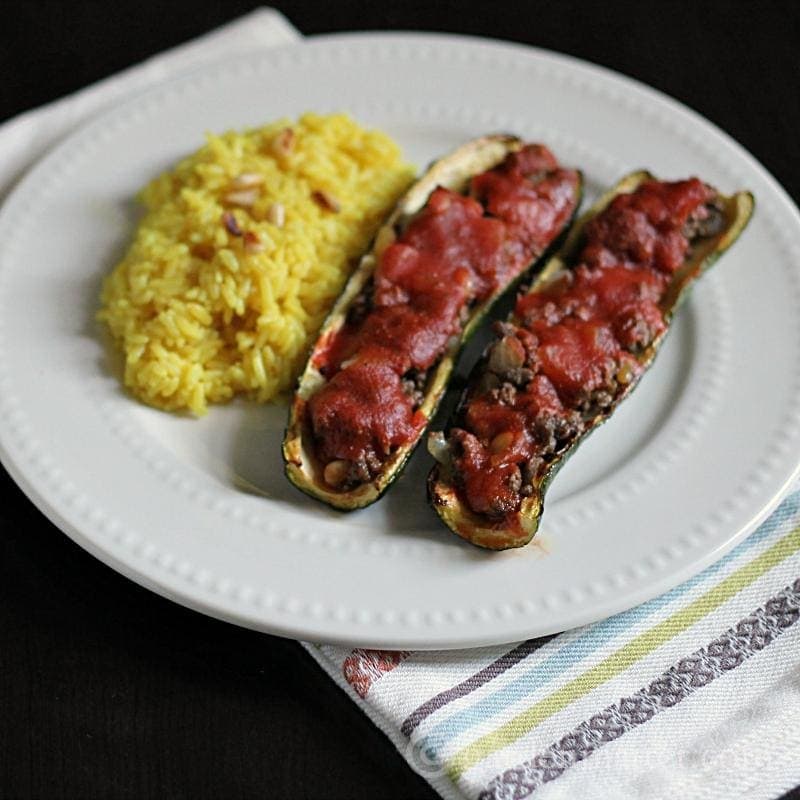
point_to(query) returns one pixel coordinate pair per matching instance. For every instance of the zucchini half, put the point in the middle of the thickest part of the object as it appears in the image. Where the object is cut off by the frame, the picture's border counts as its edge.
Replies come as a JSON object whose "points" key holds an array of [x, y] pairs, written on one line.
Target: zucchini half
{"points": [[302, 468], [481, 530]]}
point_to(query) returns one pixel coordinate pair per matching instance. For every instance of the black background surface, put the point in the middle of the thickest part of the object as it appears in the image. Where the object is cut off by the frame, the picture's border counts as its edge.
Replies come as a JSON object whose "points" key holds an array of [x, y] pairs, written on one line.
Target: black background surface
{"points": [[109, 691]]}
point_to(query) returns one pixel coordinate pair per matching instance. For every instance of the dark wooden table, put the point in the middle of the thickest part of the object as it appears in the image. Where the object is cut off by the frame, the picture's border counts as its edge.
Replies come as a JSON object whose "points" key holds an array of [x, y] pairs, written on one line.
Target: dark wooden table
{"points": [[109, 691]]}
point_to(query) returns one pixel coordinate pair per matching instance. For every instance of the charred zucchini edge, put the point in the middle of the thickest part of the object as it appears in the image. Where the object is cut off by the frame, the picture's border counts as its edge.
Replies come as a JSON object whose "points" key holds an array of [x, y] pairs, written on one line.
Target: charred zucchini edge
{"points": [[441, 493], [453, 171]]}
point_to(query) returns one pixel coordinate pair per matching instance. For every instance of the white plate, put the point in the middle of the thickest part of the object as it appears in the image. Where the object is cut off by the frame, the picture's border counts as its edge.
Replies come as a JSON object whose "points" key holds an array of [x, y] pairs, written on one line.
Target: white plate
{"points": [[200, 511]]}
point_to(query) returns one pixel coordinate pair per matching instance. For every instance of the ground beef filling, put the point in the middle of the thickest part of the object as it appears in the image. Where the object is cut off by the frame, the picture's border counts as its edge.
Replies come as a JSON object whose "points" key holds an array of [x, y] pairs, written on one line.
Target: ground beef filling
{"points": [[457, 252], [572, 350]]}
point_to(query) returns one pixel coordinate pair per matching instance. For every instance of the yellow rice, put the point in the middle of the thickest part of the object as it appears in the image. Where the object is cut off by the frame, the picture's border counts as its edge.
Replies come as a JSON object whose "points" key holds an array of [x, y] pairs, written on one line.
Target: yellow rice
{"points": [[203, 313]]}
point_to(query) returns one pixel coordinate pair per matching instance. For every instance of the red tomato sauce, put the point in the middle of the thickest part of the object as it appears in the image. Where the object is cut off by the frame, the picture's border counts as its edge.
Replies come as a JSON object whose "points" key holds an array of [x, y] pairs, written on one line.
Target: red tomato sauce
{"points": [[458, 251], [572, 348]]}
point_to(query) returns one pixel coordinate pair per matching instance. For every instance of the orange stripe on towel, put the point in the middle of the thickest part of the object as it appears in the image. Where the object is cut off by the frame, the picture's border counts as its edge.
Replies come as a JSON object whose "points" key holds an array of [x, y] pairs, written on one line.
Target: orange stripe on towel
{"points": [[363, 667]]}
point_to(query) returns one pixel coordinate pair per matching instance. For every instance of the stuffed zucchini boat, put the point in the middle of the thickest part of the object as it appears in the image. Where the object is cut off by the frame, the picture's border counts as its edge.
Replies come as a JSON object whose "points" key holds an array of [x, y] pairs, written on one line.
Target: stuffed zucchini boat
{"points": [[573, 349], [466, 231]]}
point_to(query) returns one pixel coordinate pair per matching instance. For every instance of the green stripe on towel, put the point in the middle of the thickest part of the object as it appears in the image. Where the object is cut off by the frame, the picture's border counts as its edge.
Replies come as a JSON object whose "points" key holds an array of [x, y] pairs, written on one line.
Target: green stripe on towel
{"points": [[626, 656]]}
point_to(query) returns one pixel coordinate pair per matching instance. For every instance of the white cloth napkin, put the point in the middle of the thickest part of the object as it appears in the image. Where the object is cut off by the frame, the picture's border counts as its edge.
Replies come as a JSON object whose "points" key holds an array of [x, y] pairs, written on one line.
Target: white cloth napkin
{"points": [[695, 694]]}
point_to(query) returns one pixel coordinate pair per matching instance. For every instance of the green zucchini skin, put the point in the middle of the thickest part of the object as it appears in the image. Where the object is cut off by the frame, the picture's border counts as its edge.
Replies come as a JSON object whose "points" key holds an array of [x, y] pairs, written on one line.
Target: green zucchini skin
{"points": [[442, 494], [300, 465]]}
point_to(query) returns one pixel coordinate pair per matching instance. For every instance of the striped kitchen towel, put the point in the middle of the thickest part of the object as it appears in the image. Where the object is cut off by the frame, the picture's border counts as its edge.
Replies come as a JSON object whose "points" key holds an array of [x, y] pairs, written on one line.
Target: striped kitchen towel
{"points": [[694, 694]]}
